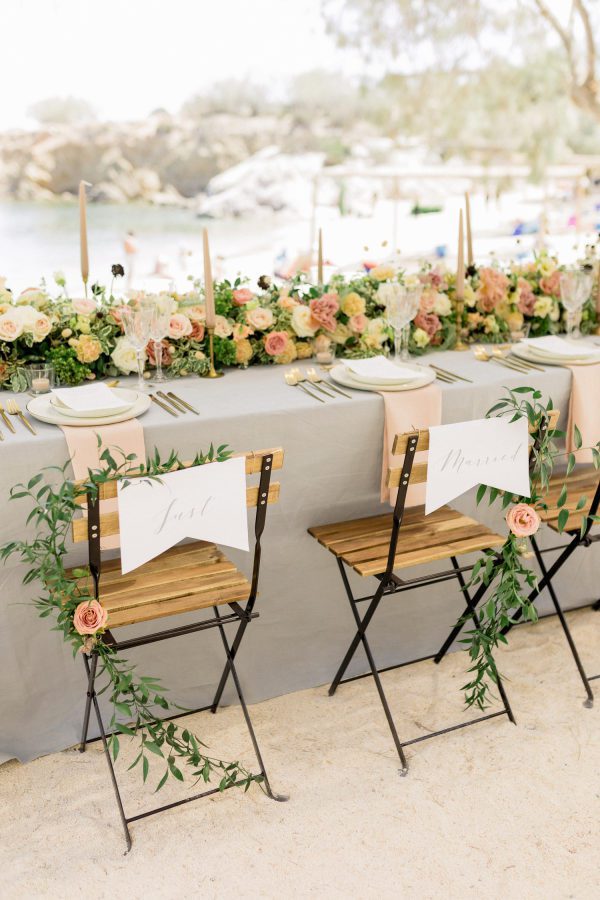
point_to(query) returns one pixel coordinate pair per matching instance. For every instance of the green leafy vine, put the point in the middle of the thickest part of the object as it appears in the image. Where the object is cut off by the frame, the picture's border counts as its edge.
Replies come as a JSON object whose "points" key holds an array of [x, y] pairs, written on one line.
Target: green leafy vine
{"points": [[55, 498]]}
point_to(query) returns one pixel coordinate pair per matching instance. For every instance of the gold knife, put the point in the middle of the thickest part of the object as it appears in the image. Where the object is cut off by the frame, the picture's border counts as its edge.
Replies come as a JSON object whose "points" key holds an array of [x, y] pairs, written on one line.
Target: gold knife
{"points": [[178, 406], [183, 402], [163, 406], [6, 420]]}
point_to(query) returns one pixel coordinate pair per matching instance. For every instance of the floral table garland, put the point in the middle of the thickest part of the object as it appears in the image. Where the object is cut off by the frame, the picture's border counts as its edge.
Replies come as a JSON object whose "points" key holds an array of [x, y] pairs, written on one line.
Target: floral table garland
{"points": [[83, 337]]}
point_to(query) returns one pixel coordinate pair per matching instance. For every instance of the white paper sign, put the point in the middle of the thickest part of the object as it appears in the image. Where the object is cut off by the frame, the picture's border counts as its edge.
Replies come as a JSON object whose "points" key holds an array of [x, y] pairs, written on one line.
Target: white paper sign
{"points": [[203, 502], [486, 451], [380, 367], [88, 397]]}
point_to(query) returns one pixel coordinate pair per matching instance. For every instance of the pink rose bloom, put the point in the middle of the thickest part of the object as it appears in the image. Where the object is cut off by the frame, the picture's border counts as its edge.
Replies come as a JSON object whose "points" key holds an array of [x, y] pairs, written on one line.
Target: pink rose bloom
{"points": [[276, 343], [196, 313], [179, 326], [83, 306], [197, 332], [285, 301], [427, 301], [166, 355], [323, 310], [493, 286], [550, 284], [89, 617], [117, 314], [242, 296], [522, 520], [429, 322], [526, 297], [358, 323]]}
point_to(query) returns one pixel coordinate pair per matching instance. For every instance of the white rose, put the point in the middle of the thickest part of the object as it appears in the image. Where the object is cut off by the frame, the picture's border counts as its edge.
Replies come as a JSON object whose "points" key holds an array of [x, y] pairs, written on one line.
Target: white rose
{"points": [[259, 318], [32, 296], [11, 326], [28, 315], [83, 306], [41, 327], [124, 356], [302, 321], [223, 328], [420, 337], [543, 306], [442, 305], [179, 326]]}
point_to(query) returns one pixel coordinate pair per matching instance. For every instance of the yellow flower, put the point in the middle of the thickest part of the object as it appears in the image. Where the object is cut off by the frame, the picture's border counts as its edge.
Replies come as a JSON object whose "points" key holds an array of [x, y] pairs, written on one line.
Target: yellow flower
{"points": [[490, 325], [543, 306], [420, 337], [87, 348], [382, 273], [304, 350], [83, 324], [547, 266], [469, 295], [243, 352], [289, 354], [514, 320], [353, 305], [341, 333]]}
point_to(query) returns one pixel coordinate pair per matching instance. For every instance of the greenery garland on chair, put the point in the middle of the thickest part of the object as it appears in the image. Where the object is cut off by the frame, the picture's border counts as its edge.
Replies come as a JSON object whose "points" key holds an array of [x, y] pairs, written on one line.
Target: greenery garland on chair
{"points": [[506, 568], [54, 498]]}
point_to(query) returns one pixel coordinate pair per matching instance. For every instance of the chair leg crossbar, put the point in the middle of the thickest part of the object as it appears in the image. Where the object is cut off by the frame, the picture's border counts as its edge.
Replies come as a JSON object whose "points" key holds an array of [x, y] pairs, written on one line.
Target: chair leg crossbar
{"points": [[386, 588], [91, 664]]}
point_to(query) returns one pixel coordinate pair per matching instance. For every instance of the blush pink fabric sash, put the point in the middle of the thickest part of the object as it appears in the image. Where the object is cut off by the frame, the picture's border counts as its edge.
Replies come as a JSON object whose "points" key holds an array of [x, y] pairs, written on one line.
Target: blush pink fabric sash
{"points": [[85, 454], [407, 411], [584, 409]]}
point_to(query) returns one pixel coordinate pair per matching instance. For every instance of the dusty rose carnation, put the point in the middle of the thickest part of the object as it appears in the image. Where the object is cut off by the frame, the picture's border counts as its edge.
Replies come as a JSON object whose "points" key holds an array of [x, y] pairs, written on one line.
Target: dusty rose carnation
{"points": [[493, 286], [89, 617], [550, 284], [526, 297], [522, 520], [323, 310], [276, 343], [242, 296], [429, 322]]}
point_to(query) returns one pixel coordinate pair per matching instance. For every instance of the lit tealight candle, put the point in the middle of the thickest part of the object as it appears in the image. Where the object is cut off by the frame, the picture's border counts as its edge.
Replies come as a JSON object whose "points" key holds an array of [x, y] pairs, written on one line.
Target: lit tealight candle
{"points": [[40, 385]]}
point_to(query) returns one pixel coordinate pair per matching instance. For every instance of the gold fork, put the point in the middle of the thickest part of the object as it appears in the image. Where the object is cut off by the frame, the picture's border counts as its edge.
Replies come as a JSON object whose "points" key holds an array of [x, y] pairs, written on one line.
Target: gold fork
{"points": [[316, 379], [300, 377], [483, 356], [6, 420], [292, 380], [15, 410]]}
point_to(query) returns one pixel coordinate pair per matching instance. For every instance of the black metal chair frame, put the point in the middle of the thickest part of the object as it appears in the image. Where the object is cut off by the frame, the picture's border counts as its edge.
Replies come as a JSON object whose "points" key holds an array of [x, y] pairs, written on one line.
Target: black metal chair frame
{"points": [[389, 584], [242, 614], [577, 539]]}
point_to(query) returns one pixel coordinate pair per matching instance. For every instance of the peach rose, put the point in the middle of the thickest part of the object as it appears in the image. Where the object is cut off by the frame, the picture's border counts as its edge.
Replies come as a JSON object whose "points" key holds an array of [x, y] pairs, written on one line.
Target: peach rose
{"points": [[243, 352], [276, 343], [522, 520], [196, 313], [357, 324], [493, 286], [197, 332], [11, 326], [89, 617], [84, 306], [550, 284], [323, 310], [259, 318], [42, 327], [242, 296], [427, 301], [241, 331], [179, 326], [223, 327]]}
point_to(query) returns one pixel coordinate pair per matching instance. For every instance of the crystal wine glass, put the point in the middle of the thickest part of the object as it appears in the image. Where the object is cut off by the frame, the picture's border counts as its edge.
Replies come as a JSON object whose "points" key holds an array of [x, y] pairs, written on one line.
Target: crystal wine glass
{"points": [[137, 324], [401, 306], [575, 289], [159, 328]]}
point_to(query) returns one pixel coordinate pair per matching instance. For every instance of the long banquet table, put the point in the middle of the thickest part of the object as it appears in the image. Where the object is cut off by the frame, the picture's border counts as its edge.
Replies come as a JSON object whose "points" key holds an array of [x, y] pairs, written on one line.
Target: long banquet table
{"points": [[332, 471]]}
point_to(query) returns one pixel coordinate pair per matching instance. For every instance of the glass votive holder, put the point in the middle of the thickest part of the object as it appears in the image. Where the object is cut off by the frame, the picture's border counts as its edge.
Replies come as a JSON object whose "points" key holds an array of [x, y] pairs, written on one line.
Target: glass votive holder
{"points": [[41, 378]]}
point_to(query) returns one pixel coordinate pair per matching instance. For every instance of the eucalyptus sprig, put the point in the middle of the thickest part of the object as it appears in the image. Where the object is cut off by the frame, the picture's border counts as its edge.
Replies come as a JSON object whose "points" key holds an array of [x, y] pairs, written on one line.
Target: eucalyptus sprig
{"points": [[505, 570], [54, 499]]}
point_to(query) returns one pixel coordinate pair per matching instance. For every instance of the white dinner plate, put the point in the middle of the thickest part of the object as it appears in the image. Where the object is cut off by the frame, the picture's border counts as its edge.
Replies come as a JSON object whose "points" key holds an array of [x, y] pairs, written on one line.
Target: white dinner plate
{"points": [[125, 395], [525, 352], [376, 380], [41, 408], [341, 375]]}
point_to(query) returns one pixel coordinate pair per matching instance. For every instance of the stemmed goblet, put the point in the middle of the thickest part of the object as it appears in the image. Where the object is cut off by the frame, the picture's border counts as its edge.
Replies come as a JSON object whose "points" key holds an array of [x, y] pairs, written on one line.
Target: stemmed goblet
{"points": [[137, 325], [401, 306], [159, 329], [575, 289]]}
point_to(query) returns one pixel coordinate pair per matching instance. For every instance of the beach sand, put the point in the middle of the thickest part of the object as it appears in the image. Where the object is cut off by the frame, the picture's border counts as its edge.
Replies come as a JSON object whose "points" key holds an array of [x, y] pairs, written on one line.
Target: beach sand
{"points": [[492, 811]]}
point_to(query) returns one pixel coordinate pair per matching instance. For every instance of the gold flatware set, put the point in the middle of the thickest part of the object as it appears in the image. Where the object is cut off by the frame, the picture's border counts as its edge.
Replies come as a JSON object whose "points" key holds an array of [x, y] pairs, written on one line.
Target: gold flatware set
{"points": [[172, 404], [448, 377], [13, 409], [508, 361], [297, 378]]}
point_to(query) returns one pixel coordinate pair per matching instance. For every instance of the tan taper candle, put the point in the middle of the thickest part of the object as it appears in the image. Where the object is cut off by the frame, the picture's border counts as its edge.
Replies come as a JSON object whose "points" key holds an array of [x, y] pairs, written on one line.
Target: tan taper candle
{"points": [[83, 243], [209, 296], [470, 259], [460, 266], [320, 259]]}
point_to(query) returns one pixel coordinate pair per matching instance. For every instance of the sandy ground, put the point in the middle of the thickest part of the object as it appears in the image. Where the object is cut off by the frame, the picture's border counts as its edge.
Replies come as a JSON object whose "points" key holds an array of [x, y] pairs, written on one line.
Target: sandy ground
{"points": [[492, 811]]}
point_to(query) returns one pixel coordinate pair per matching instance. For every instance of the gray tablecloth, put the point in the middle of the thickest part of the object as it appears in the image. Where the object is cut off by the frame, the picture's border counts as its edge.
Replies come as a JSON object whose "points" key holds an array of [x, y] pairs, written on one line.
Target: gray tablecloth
{"points": [[332, 471]]}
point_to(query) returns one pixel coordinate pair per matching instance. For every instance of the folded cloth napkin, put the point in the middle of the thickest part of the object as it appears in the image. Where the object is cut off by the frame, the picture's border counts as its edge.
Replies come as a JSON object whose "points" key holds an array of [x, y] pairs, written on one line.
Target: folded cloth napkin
{"points": [[584, 409], [85, 454], [407, 411]]}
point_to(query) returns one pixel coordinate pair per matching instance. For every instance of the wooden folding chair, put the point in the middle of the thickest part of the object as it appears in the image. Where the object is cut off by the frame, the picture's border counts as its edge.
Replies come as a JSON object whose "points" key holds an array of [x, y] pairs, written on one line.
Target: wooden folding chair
{"points": [[188, 578], [378, 545]]}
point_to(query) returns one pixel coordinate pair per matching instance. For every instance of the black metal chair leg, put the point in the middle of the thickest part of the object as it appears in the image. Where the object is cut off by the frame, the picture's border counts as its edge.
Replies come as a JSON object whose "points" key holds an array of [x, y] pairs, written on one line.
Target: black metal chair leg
{"points": [[596, 606], [111, 769], [91, 673], [475, 618], [582, 674], [234, 649], [238, 687]]}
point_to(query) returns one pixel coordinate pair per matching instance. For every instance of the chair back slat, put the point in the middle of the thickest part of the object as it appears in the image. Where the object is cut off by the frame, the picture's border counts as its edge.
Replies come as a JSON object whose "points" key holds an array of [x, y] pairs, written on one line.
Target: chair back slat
{"points": [[108, 489], [417, 476], [401, 442]]}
